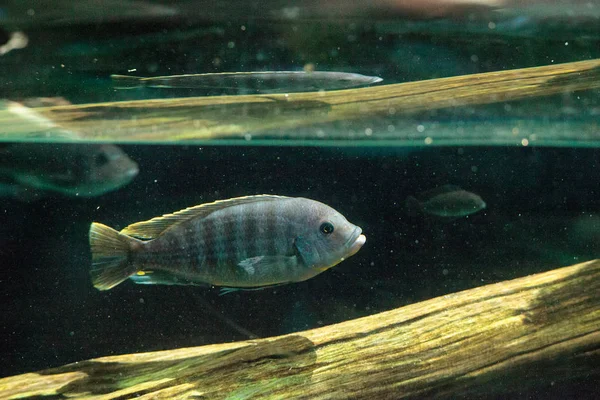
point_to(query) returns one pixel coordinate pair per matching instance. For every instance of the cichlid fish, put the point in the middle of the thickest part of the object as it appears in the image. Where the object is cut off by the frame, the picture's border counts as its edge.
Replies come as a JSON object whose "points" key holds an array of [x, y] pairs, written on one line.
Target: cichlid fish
{"points": [[245, 242], [257, 82], [446, 201], [83, 170]]}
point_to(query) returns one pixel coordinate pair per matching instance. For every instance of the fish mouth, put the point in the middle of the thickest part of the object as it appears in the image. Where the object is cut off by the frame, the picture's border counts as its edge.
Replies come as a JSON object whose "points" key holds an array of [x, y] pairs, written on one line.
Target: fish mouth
{"points": [[356, 241], [132, 172]]}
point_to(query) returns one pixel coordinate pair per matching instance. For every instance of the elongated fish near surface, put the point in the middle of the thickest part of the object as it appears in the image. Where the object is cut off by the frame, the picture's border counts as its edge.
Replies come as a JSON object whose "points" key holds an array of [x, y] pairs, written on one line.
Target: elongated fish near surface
{"points": [[244, 242], [259, 82], [83, 170], [446, 201]]}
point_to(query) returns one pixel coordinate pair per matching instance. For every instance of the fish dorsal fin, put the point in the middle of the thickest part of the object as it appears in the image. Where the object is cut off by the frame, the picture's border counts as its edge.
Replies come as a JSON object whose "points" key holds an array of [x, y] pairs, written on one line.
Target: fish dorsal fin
{"points": [[152, 228]]}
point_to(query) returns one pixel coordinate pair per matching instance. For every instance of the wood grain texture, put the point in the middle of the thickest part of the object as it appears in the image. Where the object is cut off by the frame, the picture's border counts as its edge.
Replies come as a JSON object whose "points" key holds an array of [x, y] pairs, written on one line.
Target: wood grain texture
{"points": [[491, 340], [285, 115]]}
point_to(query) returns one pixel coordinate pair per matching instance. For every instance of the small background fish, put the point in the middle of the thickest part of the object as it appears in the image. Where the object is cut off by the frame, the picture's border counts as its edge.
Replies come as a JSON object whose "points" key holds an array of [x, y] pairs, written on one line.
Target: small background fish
{"points": [[446, 201], [257, 82], [244, 242], [84, 170]]}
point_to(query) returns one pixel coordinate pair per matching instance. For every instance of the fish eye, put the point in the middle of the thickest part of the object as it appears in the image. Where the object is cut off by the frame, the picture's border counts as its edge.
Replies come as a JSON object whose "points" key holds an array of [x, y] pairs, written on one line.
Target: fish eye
{"points": [[101, 159], [326, 228]]}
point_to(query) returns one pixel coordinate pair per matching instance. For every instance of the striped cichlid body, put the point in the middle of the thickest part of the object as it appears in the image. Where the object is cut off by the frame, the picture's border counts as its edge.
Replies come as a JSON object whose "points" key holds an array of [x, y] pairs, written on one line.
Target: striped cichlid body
{"points": [[245, 242], [258, 82]]}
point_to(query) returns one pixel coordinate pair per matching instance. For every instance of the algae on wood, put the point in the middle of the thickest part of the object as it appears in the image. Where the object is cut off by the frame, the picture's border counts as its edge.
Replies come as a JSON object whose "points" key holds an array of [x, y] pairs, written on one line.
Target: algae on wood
{"points": [[300, 116], [495, 339]]}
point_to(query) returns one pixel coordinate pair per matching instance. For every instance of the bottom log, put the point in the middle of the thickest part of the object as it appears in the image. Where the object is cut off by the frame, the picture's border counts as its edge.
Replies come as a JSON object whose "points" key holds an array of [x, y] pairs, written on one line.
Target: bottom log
{"points": [[490, 341]]}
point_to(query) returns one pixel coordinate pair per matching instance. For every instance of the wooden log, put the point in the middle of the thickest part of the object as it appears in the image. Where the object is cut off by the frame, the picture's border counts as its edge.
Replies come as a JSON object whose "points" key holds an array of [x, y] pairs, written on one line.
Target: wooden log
{"points": [[283, 115], [492, 340]]}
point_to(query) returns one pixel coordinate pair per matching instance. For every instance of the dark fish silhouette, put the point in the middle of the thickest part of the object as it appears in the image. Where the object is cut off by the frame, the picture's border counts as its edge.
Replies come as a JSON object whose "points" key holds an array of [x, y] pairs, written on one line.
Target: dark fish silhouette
{"points": [[83, 170], [446, 201]]}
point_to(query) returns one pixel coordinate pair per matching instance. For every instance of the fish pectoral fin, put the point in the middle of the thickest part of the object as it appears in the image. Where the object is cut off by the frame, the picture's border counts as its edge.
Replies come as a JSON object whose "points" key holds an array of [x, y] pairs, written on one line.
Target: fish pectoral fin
{"points": [[306, 253], [226, 290], [252, 264], [162, 278], [152, 228]]}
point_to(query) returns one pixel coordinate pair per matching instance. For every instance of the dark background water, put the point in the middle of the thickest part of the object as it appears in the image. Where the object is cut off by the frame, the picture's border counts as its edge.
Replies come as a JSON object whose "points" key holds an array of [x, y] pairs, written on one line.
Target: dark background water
{"points": [[52, 315]]}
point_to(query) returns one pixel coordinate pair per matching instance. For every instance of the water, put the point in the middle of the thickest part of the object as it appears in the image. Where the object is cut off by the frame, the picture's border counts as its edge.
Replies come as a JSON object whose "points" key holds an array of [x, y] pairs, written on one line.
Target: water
{"points": [[543, 208]]}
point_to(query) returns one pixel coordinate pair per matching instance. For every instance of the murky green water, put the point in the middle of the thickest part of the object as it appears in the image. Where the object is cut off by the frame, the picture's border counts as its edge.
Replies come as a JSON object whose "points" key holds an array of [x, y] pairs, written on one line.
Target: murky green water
{"points": [[533, 160]]}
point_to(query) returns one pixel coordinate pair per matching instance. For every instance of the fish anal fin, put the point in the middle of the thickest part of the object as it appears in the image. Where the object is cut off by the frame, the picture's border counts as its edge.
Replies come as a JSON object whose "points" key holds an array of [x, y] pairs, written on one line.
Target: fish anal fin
{"points": [[163, 278], [154, 227], [226, 290]]}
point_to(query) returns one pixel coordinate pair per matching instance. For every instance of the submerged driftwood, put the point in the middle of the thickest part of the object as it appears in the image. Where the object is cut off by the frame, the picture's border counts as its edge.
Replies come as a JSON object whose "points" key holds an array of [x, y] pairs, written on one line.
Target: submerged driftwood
{"points": [[286, 115], [496, 339]]}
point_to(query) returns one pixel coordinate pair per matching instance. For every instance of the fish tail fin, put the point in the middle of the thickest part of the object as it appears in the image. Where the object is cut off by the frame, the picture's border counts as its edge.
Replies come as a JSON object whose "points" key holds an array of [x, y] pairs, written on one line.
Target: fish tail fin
{"points": [[127, 81], [413, 206], [111, 256]]}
